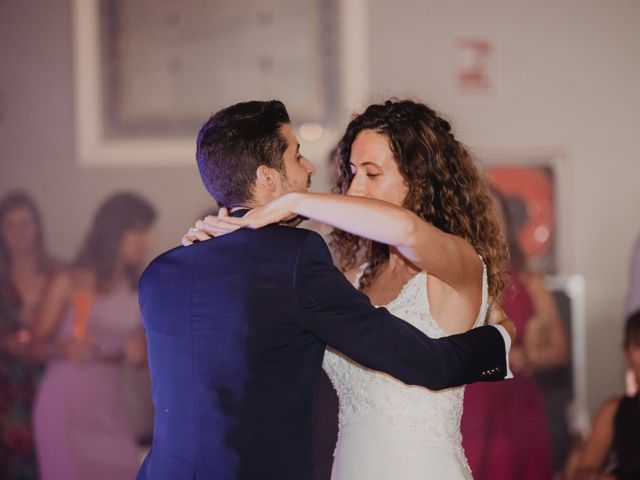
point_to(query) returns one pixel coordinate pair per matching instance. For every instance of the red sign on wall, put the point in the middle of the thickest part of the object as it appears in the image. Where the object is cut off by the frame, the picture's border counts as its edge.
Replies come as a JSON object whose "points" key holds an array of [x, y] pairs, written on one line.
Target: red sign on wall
{"points": [[474, 66]]}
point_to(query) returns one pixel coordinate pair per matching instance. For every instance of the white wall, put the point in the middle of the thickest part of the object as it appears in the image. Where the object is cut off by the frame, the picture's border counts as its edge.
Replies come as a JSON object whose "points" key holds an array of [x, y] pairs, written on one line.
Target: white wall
{"points": [[569, 79]]}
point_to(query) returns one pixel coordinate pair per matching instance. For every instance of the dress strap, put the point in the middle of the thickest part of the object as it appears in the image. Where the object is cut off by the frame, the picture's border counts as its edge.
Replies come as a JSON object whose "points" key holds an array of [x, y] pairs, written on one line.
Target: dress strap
{"points": [[484, 305], [359, 273]]}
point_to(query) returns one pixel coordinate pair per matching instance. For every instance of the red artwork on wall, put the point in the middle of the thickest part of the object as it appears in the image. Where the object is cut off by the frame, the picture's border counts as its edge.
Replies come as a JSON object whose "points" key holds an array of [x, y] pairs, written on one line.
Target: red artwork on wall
{"points": [[529, 191]]}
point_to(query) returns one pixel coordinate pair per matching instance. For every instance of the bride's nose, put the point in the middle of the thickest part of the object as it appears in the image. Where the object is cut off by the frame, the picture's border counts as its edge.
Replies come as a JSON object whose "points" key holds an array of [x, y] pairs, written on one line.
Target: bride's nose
{"points": [[356, 188]]}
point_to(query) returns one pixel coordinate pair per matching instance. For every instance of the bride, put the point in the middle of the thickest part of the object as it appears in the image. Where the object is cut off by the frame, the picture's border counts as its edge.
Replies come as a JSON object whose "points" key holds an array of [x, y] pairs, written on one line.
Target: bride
{"points": [[415, 230]]}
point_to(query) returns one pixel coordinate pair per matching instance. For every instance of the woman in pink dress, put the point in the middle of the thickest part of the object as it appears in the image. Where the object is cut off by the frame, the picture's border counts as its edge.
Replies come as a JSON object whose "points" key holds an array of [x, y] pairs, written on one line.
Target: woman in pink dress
{"points": [[504, 429], [89, 328]]}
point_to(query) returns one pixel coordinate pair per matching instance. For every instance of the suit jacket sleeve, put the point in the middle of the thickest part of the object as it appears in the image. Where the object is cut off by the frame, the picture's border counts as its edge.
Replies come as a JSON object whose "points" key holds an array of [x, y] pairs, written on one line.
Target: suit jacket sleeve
{"points": [[341, 316]]}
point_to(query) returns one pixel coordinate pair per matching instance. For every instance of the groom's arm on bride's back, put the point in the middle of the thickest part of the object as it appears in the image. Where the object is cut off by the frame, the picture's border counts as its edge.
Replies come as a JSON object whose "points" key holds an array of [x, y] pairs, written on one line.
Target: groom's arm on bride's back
{"points": [[341, 316]]}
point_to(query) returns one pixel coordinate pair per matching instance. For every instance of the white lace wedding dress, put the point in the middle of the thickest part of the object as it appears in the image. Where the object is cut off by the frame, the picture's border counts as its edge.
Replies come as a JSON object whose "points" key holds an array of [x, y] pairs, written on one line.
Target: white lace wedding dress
{"points": [[390, 430]]}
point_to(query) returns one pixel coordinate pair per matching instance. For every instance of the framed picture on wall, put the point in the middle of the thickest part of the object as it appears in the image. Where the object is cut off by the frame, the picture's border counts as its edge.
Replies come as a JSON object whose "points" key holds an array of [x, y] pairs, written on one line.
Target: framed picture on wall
{"points": [[534, 187], [149, 73]]}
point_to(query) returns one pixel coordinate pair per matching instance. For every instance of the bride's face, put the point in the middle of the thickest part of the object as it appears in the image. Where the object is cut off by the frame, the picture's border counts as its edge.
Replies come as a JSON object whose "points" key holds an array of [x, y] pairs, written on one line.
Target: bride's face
{"points": [[375, 171]]}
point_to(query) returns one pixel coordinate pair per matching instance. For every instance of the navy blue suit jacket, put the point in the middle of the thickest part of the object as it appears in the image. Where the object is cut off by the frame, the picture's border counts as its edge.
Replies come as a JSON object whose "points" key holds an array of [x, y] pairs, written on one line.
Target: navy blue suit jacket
{"points": [[236, 330]]}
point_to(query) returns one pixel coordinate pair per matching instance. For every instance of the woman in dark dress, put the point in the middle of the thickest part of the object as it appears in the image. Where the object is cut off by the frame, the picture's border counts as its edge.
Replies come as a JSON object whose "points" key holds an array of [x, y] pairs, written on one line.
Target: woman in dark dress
{"points": [[613, 449], [26, 271]]}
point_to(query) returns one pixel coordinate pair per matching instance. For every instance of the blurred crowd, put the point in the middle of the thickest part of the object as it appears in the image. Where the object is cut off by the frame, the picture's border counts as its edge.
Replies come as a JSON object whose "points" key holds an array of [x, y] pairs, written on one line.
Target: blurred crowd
{"points": [[74, 390]]}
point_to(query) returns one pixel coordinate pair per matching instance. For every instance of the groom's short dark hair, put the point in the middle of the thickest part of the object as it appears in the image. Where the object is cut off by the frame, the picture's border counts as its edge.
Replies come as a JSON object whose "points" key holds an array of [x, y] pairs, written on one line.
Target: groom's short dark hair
{"points": [[234, 142]]}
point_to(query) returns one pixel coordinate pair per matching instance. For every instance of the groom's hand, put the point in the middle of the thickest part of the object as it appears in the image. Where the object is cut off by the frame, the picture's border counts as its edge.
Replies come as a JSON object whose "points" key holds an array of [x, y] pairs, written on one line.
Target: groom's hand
{"points": [[497, 316]]}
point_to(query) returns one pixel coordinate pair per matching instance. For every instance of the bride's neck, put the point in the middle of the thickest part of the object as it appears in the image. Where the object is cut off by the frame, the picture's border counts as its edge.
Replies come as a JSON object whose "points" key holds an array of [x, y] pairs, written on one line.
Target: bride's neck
{"points": [[397, 262]]}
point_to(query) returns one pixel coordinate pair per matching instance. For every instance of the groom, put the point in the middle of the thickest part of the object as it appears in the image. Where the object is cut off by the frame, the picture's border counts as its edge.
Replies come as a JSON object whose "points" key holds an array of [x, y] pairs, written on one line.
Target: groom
{"points": [[237, 326]]}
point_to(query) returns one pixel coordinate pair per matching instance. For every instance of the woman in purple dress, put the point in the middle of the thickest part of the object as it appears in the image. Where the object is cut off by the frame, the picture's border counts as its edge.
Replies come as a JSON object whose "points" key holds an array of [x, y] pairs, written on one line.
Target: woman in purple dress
{"points": [[89, 328]]}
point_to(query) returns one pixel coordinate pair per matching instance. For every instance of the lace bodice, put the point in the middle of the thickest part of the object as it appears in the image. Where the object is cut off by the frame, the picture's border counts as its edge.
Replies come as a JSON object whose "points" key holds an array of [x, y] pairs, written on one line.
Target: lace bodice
{"points": [[427, 418]]}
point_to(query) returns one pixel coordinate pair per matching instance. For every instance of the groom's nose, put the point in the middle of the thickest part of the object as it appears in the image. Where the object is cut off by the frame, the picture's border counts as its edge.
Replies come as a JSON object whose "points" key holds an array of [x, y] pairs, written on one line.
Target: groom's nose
{"points": [[309, 166]]}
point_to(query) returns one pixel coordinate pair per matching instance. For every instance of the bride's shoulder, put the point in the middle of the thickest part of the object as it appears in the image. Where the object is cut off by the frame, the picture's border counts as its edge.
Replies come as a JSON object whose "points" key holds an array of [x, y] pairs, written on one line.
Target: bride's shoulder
{"points": [[354, 273]]}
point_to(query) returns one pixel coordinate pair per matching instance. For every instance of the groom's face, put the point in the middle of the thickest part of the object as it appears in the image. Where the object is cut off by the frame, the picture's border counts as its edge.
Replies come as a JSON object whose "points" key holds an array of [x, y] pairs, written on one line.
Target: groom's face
{"points": [[297, 168]]}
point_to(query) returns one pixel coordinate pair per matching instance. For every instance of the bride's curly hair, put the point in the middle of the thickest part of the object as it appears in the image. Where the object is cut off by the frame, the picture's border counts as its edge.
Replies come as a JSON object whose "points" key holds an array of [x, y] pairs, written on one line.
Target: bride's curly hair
{"points": [[446, 188]]}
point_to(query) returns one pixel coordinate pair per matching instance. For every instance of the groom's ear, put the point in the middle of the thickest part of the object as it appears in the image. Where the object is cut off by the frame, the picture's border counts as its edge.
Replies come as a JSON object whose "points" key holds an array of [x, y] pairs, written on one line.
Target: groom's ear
{"points": [[267, 178]]}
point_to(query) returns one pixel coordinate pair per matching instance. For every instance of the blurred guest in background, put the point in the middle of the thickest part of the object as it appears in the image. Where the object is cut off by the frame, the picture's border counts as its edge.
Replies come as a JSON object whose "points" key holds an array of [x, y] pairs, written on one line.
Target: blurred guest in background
{"points": [[613, 449], [89, 328], [26, 270], [633, 294], [632, 303], [504, 429]]}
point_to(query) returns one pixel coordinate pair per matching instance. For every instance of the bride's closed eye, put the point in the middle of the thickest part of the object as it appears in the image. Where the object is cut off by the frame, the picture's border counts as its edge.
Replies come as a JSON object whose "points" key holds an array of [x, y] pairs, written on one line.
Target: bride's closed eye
{"points": [[372, 174]]}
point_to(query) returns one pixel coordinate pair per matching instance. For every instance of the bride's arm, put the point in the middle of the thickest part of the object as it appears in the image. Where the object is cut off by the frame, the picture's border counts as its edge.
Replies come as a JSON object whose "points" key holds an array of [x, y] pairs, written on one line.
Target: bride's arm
{"points": [[448, 257]]}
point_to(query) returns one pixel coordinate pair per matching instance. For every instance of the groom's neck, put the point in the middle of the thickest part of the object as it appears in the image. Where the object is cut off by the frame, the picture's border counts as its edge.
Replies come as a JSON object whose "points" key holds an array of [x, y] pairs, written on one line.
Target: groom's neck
{"points": [[258, 199]]}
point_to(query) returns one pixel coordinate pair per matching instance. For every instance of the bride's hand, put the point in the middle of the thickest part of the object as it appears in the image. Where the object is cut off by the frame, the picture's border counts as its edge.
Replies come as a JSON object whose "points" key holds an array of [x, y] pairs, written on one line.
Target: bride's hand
{"points": [[211, 226], [497, 316], [276, 211]]}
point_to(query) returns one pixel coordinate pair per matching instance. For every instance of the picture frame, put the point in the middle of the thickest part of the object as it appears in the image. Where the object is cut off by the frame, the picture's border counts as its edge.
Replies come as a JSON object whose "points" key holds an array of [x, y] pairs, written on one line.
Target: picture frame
{"points": [[535, 185], [139, 101]]}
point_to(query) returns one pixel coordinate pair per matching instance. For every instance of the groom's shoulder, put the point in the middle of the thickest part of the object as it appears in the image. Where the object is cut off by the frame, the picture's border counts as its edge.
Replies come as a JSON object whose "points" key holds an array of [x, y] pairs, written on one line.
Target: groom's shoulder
{"points": [[285, 242], [165, 262], [283, 238], [178, 258], [274, 236], [299, 238]]}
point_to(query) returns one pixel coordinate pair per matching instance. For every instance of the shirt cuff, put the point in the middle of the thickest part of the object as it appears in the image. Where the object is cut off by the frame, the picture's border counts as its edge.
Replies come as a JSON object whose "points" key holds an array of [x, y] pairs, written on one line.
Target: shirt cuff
{"points": [[507, 347]]}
